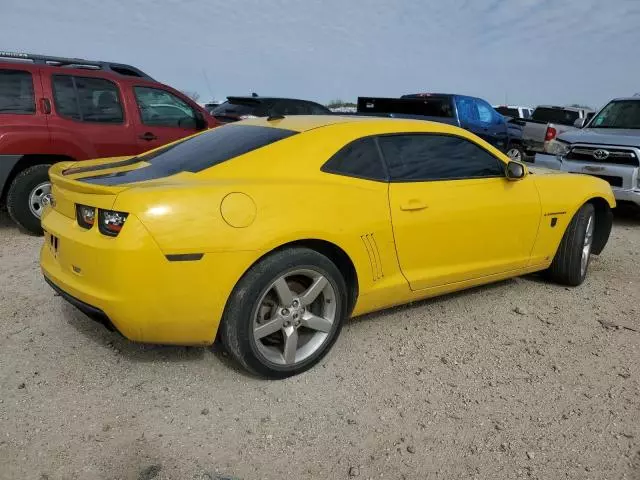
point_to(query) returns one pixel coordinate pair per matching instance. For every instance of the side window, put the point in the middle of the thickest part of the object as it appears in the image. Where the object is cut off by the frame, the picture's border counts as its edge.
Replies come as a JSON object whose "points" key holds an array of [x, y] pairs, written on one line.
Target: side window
{"points": [[159, 108], [415, 158], [467, 111], [485, 112], [16, 92], [359, 159], [87, 99]]}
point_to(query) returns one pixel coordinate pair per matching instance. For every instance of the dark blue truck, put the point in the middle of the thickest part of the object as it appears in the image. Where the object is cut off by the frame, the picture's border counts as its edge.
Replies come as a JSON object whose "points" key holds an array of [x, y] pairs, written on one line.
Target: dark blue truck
{"points": [[470, 113]]}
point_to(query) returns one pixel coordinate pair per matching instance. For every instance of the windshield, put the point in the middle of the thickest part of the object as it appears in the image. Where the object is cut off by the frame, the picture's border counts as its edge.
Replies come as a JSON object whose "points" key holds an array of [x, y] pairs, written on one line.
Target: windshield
{"points": [[618, 114], [555, 115]]}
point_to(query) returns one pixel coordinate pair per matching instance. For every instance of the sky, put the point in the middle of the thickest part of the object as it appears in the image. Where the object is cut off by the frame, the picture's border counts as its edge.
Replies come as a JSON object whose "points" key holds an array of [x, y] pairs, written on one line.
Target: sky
{"points": [[524, 52]]}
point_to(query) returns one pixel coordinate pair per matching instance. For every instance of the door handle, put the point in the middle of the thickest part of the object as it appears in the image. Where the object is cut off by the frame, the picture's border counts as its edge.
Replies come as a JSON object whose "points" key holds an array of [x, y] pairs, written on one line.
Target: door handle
{"points": [[148, 136], [413, 205]]}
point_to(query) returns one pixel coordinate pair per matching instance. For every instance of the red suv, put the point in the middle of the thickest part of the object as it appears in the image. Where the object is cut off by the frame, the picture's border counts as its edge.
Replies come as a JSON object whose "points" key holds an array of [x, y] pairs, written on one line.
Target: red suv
{"points": [[58, 109]]}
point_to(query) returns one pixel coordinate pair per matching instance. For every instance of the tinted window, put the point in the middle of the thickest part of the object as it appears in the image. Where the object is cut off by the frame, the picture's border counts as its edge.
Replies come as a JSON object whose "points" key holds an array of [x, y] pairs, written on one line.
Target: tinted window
{"points": [[160, 108], [16, 92], [555, 115], [358, 159], [408, 105], [87, 99], [508, 112], [197, 153], [436, 157]]}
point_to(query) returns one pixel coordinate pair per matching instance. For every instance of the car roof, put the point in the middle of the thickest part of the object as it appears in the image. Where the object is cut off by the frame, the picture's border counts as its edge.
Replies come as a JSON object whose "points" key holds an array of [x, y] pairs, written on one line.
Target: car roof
{"points": [[634, 98], [560, 107], [249, 98], [303, 123]]}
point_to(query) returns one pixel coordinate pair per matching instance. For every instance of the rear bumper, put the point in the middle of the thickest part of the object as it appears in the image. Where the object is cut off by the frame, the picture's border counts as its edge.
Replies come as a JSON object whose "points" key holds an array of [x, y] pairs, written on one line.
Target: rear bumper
{"points": [[130, 283], [92, 312]]}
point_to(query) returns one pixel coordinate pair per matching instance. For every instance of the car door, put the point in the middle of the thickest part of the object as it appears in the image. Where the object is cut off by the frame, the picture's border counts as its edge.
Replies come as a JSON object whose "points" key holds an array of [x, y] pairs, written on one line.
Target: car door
{"points": [[23, 108], [163, 117], [455, 215], [88, 114], [493, 127]]}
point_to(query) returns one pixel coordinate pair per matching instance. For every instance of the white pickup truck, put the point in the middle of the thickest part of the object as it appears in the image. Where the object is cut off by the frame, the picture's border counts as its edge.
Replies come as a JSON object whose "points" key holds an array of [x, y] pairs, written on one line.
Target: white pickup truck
{"points": [[607, 147], [549, 121]]}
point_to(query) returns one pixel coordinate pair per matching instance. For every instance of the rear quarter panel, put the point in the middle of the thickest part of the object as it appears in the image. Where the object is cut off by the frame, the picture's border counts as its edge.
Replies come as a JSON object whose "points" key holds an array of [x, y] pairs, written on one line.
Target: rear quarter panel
{"points": [[561, 196]]}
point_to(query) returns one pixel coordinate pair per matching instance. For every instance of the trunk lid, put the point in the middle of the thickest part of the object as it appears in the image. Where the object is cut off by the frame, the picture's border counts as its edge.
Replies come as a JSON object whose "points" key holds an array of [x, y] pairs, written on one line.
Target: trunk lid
{"points": [[68, 189]]}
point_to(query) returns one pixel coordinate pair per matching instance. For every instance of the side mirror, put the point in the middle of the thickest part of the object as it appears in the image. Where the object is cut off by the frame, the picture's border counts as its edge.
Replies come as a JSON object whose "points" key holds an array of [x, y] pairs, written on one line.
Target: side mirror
{"points": [[515, 170], [580, 122], [201, 123]]}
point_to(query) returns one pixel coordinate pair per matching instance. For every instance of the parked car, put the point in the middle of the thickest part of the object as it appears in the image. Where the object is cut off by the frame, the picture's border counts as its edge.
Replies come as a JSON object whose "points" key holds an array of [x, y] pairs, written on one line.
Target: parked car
{"points": [[241, 238], [56, 109], [514, 111], [608, 147], [470, 113], [547, 122], [240, 108], [210, 106]]}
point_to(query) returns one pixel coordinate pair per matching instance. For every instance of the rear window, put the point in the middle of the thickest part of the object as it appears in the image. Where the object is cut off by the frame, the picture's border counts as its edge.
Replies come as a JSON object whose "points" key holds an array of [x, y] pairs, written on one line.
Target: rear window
{"points": [[197, 153], [16, 92], [425, 106], [508, 112], [555, 115]]}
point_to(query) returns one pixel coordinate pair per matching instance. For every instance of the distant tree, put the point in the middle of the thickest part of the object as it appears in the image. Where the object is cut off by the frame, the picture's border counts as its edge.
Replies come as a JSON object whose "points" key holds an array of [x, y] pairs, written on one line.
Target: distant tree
{"points": [[577, 105], [337, 103], [195, 96]]}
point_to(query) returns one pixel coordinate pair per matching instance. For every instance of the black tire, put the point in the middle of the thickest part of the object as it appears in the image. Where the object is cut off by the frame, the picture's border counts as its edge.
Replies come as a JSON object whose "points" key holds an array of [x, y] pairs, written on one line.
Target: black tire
{"points": [[18, 197], [566, 266], [236, 329]]}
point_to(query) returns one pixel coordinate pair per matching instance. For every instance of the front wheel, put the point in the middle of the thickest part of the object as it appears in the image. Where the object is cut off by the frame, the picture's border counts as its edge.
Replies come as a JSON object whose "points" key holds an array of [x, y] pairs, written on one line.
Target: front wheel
{"points": [[286, 313], [570, 264], [27, 195], [515, 152]]}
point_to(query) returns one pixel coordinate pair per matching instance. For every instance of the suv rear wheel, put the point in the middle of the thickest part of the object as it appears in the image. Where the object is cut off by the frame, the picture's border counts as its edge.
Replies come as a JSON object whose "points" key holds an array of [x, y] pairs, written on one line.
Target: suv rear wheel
{"points": [[26, 195]]}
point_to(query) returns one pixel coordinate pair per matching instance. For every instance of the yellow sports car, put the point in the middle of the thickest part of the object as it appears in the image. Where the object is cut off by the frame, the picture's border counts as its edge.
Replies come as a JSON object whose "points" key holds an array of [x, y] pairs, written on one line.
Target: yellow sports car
{"points": [[271, 232]]}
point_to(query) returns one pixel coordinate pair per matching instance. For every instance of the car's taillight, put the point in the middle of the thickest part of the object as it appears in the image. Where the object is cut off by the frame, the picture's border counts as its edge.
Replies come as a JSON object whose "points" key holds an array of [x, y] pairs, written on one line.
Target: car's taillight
{"points": [[550, 135], [85, 216], [110, 222]]}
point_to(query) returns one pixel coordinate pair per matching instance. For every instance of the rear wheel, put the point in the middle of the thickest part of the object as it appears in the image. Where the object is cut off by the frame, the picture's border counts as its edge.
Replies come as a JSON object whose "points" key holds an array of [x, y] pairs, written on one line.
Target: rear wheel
{"points": [[27, 195], [571, 262], [285, 313]]}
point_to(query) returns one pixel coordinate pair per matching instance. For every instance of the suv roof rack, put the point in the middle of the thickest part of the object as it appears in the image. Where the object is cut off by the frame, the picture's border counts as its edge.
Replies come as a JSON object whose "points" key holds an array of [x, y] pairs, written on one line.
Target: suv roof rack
{"points": [[118, 68]]}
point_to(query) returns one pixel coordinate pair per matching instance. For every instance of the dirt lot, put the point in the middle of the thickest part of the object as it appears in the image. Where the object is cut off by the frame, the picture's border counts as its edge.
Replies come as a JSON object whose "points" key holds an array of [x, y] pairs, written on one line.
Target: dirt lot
{"points": [[458, 387]]}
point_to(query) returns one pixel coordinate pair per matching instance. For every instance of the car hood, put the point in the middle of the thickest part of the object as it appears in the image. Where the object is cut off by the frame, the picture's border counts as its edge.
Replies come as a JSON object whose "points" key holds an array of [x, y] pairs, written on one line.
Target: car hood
{"points": [[603, 136]]}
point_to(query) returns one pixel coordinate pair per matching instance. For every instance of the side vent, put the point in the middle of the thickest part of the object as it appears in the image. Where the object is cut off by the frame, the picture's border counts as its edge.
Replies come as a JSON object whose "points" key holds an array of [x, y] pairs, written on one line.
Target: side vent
{"points": [[370, 244]]}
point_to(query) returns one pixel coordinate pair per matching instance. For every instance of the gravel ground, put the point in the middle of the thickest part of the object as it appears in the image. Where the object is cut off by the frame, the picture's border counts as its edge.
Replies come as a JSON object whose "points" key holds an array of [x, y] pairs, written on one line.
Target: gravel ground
{"points": [[521, 379]]}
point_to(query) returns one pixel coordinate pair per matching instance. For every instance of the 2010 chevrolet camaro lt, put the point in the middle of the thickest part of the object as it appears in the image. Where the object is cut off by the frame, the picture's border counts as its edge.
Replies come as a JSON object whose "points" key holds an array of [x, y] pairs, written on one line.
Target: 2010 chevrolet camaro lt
{"points": [[271, 232]]}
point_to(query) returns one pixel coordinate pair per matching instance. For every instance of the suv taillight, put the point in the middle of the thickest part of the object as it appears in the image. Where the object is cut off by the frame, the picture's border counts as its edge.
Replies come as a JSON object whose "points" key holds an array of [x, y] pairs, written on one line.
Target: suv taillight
{"points": [[111, 222], [550, 135]]}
